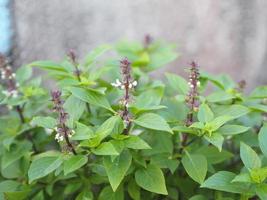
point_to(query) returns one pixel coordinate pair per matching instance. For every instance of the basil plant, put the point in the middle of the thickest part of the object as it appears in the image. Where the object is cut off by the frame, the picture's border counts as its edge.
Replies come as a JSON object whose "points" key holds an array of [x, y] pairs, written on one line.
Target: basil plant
{"points": [[104, 128]]}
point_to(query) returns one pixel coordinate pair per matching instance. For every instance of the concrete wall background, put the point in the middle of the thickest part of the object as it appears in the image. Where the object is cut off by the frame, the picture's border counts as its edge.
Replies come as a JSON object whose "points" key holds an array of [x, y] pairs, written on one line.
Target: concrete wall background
{"points": [[222, 36]]}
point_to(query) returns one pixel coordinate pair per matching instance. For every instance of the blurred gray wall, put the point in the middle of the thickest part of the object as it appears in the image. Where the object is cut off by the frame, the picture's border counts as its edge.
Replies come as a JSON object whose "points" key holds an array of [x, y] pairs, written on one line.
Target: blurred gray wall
{"points": [[222, 36]]}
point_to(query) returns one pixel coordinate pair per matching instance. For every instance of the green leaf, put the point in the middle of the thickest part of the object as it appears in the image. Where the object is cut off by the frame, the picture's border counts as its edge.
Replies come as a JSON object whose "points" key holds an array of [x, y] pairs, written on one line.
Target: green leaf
{"points": [[45, 122], [135, 142], [249, 157], [205, 114], [263, 139], [151, 179], [219, 96], [106, 148], [216, 139], [74, 162], [9, 186], [232, 129], [74, 107], [43, 166], [196, 166], [219, 121], [107, 193], [153, 121], [15, 153], [259, 92], [93, 55], [134, 190], [23, 73], [116, 169], [48, 65], [82, 132], [213, 155], [242, 178], [198, 197], [235, 111], [261, 191], [85, 195], [178, 83], [91, 97], [222, 181]]}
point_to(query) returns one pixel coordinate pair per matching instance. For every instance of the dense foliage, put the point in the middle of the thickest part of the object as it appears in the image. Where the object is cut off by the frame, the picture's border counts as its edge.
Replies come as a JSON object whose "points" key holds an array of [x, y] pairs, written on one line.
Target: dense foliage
{"points": [[108, 131]]}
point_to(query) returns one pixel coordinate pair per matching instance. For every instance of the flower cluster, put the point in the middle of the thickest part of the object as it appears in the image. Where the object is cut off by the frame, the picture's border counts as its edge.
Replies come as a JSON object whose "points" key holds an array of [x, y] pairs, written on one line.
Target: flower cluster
{"points": [[63, 131], [192, 96], [73, 59], [9, 77], [126, 84]]}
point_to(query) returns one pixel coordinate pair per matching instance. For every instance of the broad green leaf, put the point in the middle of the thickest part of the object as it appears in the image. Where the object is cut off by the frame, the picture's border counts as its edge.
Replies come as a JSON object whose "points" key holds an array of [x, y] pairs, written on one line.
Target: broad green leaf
{"points": [[261, 191], [134, 190], [205, 114], [222, 181], [23, 73], [43, 166], [151, 179], [15, 153], [74, 162], [117, 168], [232, 129], [91, 97], [178, 83], [153, 121], [93, 55], [85, 195], [259, 92], [9, 186], [135, 142], [46, 122], [258, 107], [216, 139], [235, 111], [106, 148], [82, 132], [263, 139], [196, 166], [249, 157], [163, 160], [219, 96], [74, 107], [108, 194], [48, 65]]}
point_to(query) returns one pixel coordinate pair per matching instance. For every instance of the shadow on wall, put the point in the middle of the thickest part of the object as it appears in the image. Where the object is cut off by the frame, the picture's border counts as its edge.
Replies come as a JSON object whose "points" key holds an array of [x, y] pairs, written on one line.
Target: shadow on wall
{"points": [[223, 36]]}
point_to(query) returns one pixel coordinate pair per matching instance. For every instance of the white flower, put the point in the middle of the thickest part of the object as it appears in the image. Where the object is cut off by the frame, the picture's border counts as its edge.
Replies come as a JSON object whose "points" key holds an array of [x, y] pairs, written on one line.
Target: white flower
{"points": [[134, 83], [59, 138], [122, 87], [117, 83], [198, 83]]}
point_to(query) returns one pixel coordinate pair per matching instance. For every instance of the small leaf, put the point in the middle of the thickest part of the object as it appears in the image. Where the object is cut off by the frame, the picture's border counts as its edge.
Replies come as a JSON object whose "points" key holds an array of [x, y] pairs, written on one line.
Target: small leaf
{"points": [[82, 132], [263, 139], [93, 55], [153, 121], [135, 142], [216, 139], [43, 166], [196, 166], [106, 148], [134, 190], [219, 121], [205, 114], [23, 73], [151, 179], [73, 163], [117, 168], [46, 122], [249, 157]]}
